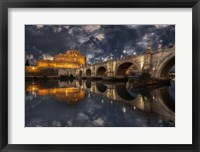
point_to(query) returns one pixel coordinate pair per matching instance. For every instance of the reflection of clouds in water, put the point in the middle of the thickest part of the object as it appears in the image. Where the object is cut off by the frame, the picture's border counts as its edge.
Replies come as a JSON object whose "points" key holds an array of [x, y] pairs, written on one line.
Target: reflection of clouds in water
{"points": [[45, 97], [87, 120], [29, 97], [35, 122], [91, 111], [69, 123], [140, 121], [36, 104], [56, 124], [82, 116], [98, 122], [38, 126]]}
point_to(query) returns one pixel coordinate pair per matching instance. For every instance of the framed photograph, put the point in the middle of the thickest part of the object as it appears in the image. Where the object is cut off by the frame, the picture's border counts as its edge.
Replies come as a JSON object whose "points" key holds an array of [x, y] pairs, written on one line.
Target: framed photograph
{"points": [[102, 76]]}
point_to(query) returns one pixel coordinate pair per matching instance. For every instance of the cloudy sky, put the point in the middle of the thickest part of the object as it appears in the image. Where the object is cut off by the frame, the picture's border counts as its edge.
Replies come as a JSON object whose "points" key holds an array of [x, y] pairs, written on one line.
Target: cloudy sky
{"points": [[96, 42]]}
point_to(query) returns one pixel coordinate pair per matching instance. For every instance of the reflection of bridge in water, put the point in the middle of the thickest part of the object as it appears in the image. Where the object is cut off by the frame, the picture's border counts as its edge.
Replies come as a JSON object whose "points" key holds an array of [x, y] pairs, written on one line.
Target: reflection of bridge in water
{"points": [[156, 101]]}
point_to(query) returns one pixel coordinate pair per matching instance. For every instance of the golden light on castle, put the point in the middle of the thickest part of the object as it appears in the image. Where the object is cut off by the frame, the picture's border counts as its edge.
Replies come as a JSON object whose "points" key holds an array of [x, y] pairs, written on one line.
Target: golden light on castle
{"points": [[71, 59]]}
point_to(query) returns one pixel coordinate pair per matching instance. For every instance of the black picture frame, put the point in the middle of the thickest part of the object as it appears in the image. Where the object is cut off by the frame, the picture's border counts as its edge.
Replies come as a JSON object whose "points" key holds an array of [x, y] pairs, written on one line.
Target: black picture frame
{"points": [[5, 4]]}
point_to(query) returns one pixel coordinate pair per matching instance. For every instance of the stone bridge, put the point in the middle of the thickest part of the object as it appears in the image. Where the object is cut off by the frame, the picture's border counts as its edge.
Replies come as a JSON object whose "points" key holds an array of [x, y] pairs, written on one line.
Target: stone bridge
{"points": [[157, 62]]}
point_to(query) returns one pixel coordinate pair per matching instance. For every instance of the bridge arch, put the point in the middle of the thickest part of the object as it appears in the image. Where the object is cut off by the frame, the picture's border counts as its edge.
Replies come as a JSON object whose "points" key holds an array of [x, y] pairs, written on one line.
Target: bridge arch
{"points": [[88, 72], [123, 67], [123, 93], [80, 73], [88, 84], [166, 101], [167, 98], [71, 75], [101, 87], [165, 65], [101, 71]]}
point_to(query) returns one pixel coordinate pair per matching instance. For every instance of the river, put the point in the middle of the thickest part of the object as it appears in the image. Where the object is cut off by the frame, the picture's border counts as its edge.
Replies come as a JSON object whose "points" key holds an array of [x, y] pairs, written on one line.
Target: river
{"points": [[55, 103]]}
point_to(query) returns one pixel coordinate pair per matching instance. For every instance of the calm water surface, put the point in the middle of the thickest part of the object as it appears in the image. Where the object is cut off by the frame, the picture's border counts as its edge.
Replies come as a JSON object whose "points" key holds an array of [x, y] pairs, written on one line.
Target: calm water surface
{"points": [[52, 103]]}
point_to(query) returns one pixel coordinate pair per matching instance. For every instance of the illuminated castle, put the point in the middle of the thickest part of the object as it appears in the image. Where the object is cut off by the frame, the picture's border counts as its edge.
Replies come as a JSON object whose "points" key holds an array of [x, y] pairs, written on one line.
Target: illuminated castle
{"points": [[71, 59]]}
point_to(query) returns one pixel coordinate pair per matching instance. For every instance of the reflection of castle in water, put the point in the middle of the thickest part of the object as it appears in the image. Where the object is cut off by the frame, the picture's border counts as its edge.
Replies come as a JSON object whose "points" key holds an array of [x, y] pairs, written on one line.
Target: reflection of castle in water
{"points": [[157, 101], [71, 95]]}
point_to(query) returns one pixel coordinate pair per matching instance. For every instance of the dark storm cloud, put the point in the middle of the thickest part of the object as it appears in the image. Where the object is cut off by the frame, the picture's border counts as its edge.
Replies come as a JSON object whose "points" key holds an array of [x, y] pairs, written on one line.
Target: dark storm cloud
{"points": [[96, 42]]}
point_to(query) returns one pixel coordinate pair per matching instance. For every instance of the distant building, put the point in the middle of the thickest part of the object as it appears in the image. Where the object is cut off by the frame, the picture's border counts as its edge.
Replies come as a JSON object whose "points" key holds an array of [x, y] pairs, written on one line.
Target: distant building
{"points": [[70, 60]]}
